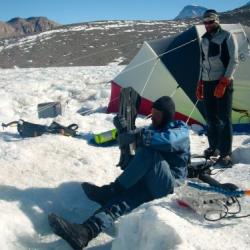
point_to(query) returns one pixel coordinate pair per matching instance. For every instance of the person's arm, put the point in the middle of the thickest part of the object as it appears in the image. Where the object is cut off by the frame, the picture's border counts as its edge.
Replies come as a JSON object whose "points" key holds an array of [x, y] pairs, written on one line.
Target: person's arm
{"points": [[202, 57], [171, 140], [233, 56]]}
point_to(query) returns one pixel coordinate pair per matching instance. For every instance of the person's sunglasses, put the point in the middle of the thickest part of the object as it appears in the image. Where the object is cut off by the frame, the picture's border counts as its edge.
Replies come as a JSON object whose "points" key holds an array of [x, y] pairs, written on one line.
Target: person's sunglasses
{"points": [[209, 22]]}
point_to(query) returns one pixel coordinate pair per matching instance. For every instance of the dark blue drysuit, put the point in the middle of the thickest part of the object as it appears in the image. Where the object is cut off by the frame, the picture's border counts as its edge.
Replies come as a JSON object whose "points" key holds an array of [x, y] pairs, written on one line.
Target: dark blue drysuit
{"points": [[152, 172]]}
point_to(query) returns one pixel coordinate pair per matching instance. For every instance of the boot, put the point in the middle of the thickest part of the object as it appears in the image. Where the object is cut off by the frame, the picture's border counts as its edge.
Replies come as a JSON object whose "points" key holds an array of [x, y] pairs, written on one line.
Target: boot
{"points": [[210, 152], [223, 162], [77, 235], [102, 194]]}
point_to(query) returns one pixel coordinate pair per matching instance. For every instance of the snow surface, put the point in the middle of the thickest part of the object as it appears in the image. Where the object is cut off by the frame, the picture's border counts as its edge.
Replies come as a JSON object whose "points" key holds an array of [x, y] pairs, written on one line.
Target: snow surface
{"points": [[43, 174]]}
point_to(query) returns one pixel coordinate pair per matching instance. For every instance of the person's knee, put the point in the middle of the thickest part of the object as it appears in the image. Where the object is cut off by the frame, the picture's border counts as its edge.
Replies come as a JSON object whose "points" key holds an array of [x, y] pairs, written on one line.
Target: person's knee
{"points": [[163, 189], [160, 180]]}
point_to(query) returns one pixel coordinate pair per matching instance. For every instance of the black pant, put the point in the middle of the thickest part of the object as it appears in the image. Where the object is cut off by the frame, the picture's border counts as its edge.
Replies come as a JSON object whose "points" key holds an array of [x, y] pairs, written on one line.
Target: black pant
{"points": [[218, 117]]}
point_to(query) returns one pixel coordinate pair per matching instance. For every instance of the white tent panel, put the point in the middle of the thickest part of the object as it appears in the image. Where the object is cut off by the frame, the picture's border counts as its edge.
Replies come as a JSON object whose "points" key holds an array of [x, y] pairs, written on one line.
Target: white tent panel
{"points": [[136, 73], [147, 75], [241, 98]]}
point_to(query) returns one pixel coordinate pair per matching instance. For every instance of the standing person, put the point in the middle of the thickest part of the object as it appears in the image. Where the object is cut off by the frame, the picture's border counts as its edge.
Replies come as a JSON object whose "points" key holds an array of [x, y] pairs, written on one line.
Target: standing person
{"points": [[162, 157], [219, 60]]}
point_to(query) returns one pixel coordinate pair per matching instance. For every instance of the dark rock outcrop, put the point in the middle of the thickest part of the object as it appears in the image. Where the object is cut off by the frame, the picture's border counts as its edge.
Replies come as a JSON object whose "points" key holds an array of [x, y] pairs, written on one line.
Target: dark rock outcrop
{"points": [[6, 30], [32, 25]]}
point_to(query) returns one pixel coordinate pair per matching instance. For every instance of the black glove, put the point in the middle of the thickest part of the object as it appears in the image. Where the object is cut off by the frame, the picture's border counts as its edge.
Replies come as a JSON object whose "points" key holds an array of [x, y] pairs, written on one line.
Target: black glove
{"points": [[120, 123], [127, 138]]}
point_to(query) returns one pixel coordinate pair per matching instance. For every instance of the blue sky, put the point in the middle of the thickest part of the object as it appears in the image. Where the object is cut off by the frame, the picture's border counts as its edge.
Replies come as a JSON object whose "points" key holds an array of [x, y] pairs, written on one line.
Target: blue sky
{"points": [[73, 11]]}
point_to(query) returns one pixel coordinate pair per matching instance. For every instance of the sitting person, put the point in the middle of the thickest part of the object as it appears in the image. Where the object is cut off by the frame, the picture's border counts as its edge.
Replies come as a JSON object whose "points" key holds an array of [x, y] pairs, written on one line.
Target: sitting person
{"points": [[162, 156]]}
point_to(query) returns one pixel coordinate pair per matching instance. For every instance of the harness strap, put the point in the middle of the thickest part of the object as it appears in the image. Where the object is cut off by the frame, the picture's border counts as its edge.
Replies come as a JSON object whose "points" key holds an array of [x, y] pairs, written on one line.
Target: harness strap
{"points": [[5, 125]]}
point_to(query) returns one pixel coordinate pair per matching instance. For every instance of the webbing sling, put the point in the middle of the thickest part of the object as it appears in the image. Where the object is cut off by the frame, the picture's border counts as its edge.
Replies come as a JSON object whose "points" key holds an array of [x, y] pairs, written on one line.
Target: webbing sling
{"points": [[128, 108]]}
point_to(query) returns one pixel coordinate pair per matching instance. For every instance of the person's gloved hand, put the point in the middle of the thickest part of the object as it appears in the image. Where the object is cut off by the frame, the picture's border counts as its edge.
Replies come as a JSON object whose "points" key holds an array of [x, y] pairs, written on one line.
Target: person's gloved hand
{"points": [[200, 90], [221, 87], [120, 122], [127, 138]]}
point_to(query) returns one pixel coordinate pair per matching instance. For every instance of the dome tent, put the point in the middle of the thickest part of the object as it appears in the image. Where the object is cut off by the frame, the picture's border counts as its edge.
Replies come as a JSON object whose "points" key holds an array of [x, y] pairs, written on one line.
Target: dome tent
{"points": [[171, 66]]}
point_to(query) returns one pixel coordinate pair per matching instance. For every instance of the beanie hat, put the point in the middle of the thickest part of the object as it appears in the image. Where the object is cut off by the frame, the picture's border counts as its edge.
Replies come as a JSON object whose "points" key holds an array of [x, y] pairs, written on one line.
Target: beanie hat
{"points": [[166, 105], [211, 15]]}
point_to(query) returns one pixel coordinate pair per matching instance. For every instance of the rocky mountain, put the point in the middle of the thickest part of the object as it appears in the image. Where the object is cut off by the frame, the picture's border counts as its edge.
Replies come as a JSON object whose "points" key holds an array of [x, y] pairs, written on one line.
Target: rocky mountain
{"points": [[32, 24], [21, 26], [6, 30], [191, 11], [239, 15]]}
